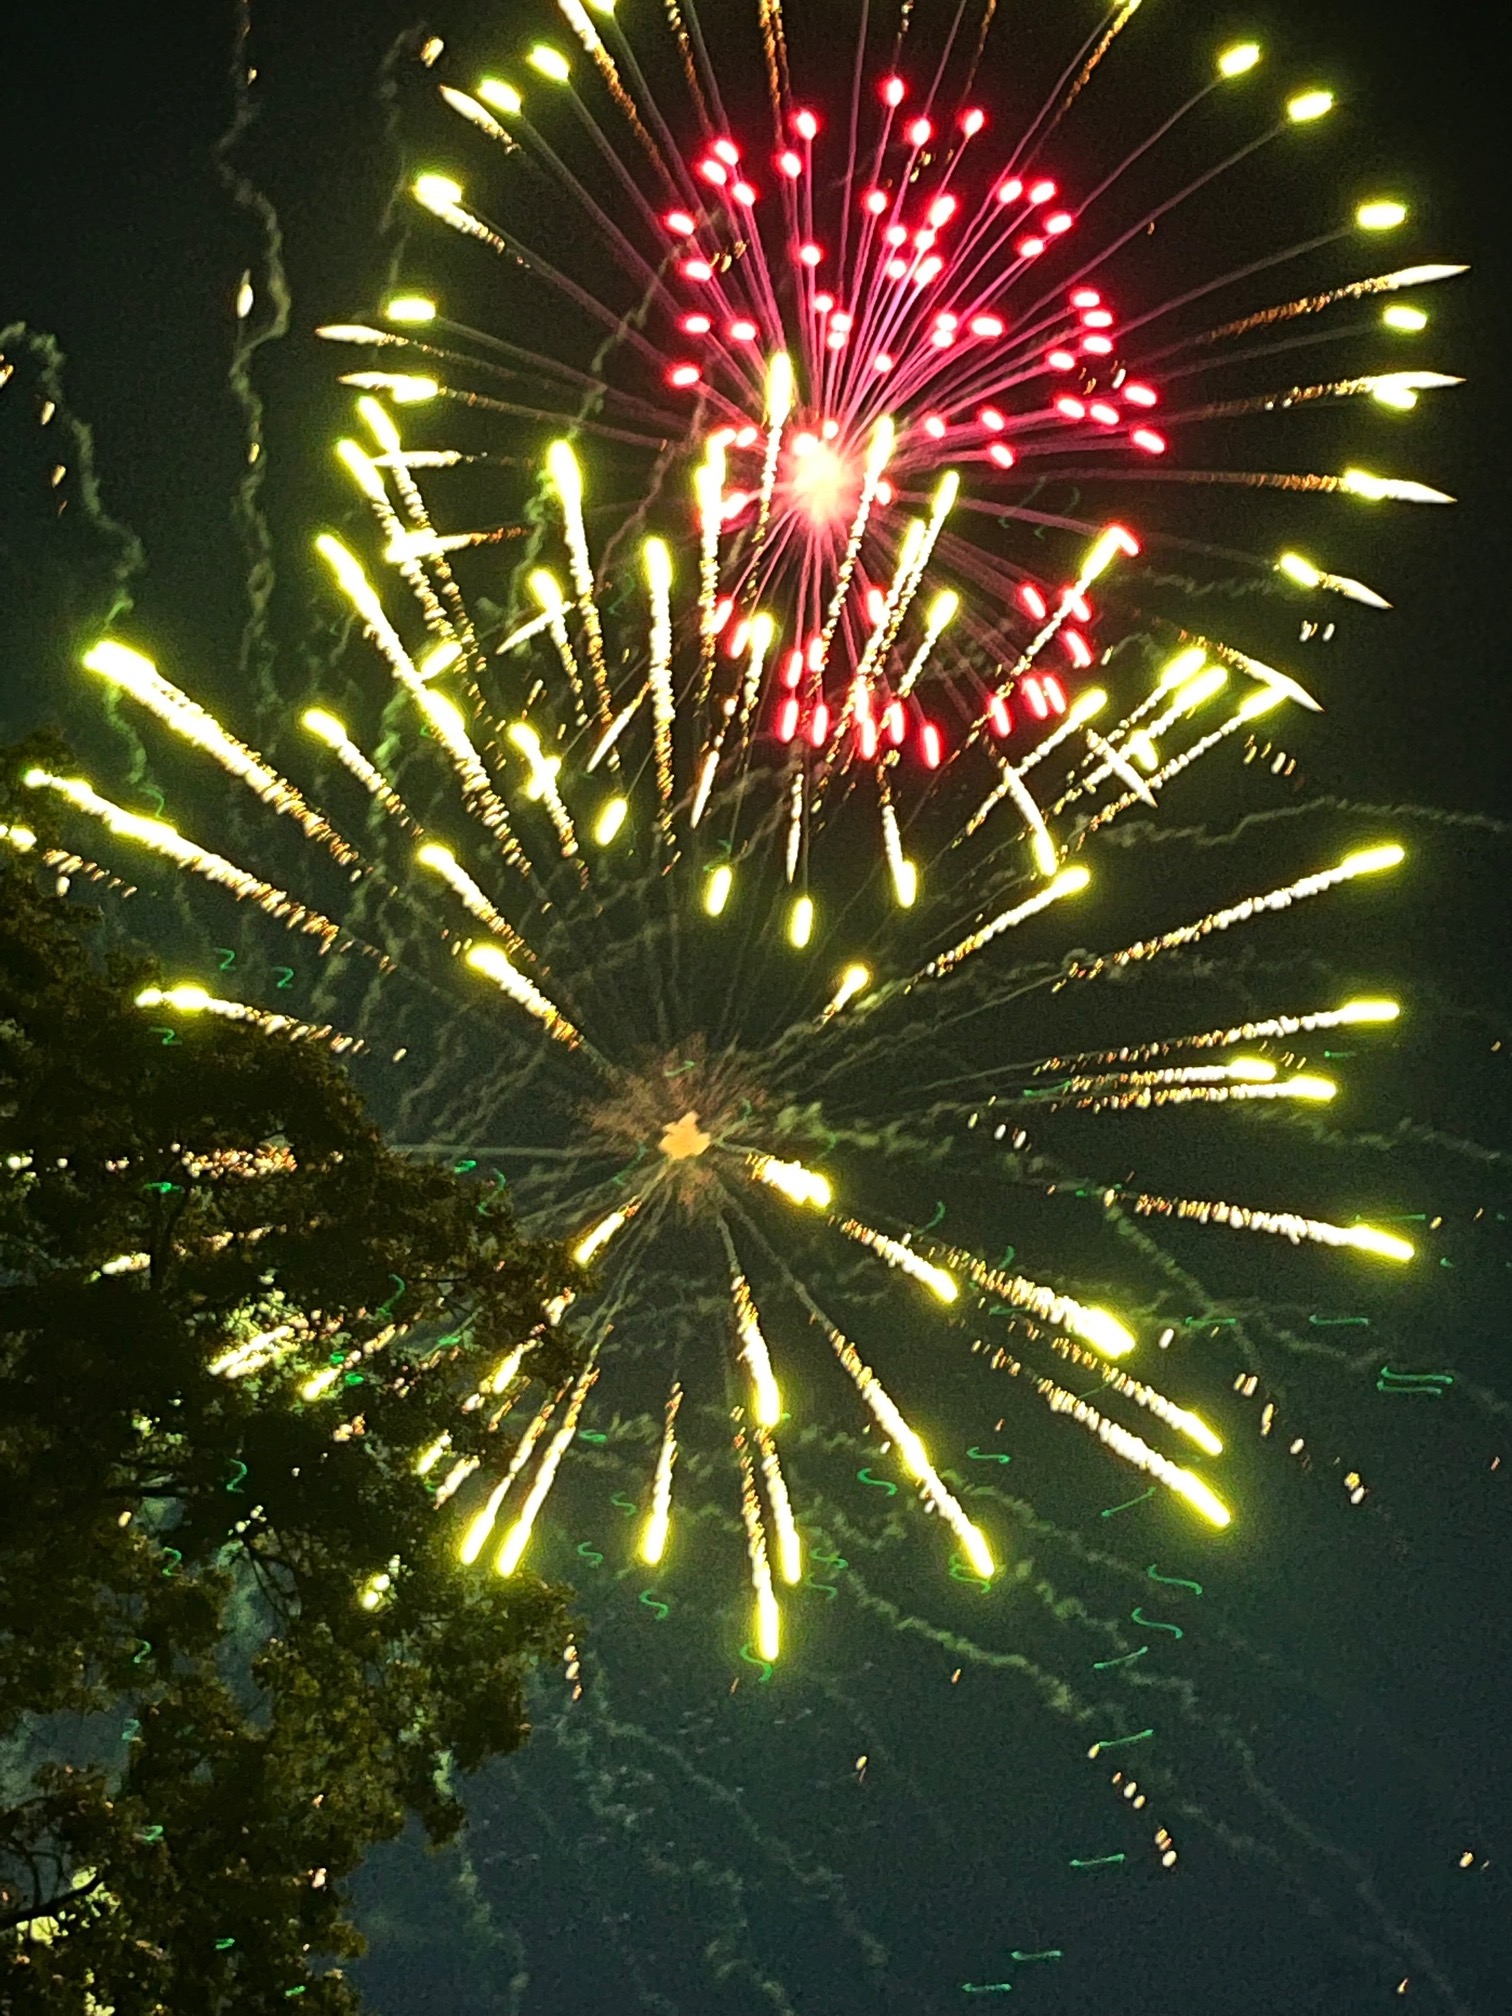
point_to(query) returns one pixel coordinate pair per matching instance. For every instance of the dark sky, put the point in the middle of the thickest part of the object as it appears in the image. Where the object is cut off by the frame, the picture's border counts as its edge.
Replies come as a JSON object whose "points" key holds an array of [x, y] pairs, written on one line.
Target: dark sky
{"points": [[676, 1840]]}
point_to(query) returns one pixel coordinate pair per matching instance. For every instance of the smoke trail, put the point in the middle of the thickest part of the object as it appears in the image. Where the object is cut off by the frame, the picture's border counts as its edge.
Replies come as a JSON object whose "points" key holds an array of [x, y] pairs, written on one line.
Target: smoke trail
{"points": [[263, 311]]}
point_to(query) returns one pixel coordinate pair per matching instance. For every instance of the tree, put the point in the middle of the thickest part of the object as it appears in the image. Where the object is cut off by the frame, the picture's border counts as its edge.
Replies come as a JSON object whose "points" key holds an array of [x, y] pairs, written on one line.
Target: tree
{"points": [[236, 1650]]}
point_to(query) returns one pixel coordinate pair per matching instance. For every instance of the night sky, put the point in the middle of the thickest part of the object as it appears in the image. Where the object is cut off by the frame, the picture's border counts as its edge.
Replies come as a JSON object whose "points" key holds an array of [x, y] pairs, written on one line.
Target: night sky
{"points": [[668, 1843]]}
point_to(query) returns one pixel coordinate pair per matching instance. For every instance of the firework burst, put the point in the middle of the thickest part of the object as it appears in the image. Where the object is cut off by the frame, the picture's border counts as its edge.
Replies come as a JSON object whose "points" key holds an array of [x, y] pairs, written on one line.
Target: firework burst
{"points": [[860, 353]]}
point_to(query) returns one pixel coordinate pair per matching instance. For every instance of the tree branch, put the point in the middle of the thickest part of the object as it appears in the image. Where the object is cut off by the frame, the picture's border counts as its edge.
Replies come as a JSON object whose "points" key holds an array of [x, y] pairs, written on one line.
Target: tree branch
{"points": [[49, 1907]]}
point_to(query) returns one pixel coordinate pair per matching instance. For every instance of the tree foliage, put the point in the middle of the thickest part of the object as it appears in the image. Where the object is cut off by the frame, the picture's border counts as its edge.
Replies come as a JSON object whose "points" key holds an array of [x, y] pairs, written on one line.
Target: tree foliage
{"points": [[236, 1650]]}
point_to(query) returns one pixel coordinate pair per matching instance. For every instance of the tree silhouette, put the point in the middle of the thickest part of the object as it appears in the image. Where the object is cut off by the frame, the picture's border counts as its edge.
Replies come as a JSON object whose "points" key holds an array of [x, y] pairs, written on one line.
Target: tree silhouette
{"points": [[236, 1650]]}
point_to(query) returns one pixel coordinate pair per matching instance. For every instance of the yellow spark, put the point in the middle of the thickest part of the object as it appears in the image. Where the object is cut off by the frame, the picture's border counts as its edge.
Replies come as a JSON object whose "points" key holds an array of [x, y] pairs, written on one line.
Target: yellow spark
{"points": [[1309, 105], [879, 450], [761, 630], [374, 1590], [405, 388], [1115, 763], [1262, 701], [1083, 709], [567, 480], [1246, 1032], [410, 308], [1299, 570], [326, 726], [547, 591], [1180, 1418], [1363, 861], [1281, 682], [654, 1536], [610, 820], [1410, 319], [475, 1539], [1289, 1225], [763, 634], [658, 561], [801, 922], [1096, 1327], [789, 1546], [1379, 489], [453, 1481], [549, 62], [1100, 556], [717, 889], [490, 960], [1069, 882], [543, 769], [1370, 860], [797, 1184], [1381, 216], [708, 492], [597, 1237], [255, 1354], [440, 658], [753, 1349], [1041, 846], [356, 332], [165, 840], [1188, 1086], [1369, 1011], [939, 1283], [592, 41], [1085, 706], [1196, 693], [1193, 1425], [853, 981], [504, 1371], [523, 634], [1306, 575], [779, 406], [1114, 539], [476, 114], [437, 193], [779, 388], [766, 1633], [1136, 1451], [445, 721], [768, 1623], [620, 722], [188, 999], [913, 559], [911, 1450], [904, 874], [518, 1537], [360, 466], [1241, 57], [1197, 1494], [1368, 1239], [138, 676], [441, 861], [910, 548], [427, 1460], [1181, 668], [502, 97], [941, 611]]}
